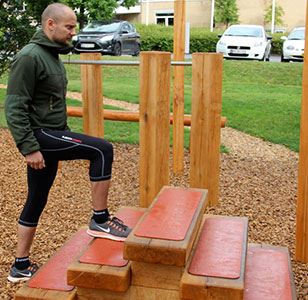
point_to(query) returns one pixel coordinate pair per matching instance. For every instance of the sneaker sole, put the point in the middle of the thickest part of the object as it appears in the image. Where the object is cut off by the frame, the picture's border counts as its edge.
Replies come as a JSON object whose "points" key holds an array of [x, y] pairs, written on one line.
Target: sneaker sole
{"points": [[15, 280], [104, 235]]}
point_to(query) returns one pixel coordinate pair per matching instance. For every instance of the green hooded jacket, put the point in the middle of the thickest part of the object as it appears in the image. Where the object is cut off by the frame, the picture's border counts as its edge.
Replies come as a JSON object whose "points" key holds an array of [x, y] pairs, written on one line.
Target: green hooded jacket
{"points": [[36, 92]]}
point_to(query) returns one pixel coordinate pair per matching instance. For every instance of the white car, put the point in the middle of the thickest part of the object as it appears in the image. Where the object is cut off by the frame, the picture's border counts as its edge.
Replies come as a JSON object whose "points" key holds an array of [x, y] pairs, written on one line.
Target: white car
{"points": [[293, 45], [246, 42]]}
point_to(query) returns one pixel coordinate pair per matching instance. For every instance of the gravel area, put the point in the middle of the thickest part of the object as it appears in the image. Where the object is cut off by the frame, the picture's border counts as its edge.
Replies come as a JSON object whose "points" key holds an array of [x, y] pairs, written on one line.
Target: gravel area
{"points": [[258, 180]]}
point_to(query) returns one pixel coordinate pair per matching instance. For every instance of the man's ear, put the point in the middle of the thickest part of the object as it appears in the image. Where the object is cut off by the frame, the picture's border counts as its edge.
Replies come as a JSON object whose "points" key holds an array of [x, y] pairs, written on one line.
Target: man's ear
{"points": [[50, 24]]}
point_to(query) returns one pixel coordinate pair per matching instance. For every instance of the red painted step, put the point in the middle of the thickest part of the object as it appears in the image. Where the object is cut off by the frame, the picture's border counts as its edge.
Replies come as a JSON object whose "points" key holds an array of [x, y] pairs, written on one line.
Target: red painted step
{"points": [[268, 274], [107, 252], [220, 248], [171, 215], [52, 275]]}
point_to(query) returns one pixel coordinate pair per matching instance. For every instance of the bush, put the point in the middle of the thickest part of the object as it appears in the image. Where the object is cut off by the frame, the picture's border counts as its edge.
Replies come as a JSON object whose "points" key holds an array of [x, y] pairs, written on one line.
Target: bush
{"points": [[160, 38]]}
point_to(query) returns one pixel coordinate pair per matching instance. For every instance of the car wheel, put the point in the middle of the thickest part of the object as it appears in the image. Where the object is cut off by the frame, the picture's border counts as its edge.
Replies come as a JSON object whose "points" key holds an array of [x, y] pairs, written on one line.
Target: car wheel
{"points": [[117, 50], [137, 51], [283, 60]]}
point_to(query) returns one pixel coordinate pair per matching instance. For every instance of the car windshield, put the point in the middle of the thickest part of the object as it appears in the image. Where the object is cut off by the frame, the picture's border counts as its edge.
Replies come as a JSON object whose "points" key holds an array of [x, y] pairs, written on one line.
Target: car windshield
{"points": [[297, 35], [244, 31], [102, 27]]}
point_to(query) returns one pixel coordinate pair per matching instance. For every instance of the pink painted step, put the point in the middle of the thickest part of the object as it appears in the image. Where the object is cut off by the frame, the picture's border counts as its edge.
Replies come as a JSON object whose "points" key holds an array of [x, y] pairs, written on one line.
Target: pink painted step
{"points": [[52, 275], [216, 267], [268, 274], [171, 215]]}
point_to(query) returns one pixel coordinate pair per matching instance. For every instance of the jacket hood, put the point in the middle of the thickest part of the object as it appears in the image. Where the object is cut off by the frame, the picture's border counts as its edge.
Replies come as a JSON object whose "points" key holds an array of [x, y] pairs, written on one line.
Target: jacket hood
{"points": [[40, 38]]}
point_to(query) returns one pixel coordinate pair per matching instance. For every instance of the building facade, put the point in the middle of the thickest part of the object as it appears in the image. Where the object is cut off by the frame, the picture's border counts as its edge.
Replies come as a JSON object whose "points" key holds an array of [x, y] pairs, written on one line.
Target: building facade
{"points": [[198, 12]]}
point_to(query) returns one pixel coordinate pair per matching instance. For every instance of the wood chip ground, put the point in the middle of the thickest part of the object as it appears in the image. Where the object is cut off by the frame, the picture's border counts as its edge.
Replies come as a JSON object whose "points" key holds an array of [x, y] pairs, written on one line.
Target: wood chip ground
{"points": [[258, 180]]}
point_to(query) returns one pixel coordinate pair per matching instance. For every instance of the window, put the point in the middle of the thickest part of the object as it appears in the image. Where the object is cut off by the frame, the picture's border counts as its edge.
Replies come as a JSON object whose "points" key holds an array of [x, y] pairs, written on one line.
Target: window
{"points": [[165, 18]]}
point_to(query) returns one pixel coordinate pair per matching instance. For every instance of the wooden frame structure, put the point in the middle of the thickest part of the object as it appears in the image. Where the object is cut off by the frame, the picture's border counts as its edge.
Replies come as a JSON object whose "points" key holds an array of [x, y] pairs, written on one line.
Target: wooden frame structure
{"points": [[154, 117]]}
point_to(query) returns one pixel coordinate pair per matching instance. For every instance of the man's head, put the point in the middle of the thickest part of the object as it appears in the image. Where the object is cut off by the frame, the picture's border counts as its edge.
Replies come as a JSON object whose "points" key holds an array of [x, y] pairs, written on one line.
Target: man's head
{"points": [[59, 23]]}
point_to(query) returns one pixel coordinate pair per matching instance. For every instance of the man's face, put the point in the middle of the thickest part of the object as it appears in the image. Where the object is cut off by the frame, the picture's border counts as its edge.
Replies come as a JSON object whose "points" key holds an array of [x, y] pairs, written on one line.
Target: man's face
{"points": [[63, 29]]}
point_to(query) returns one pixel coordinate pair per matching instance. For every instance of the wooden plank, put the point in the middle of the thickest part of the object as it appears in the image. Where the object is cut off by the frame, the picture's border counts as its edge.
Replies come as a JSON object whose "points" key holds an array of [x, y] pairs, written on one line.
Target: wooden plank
{"points": [[116, 279], [92, 95], [156, 275], [154, 124], [145, 293], [268, 273], [178, 85], [26, 293], [165, 252], [128, 116], [301, 248], [97, 294], [204, 287], [205, 123]]}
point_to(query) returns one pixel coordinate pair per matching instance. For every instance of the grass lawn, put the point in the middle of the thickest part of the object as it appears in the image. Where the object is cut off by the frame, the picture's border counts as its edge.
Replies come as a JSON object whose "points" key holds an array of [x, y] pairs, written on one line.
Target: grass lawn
{"points": [[259, 98]]}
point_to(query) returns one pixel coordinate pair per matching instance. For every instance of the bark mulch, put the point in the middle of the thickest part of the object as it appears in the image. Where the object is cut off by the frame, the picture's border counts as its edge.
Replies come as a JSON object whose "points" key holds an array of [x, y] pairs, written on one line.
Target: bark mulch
{"points": [[258, 180]]}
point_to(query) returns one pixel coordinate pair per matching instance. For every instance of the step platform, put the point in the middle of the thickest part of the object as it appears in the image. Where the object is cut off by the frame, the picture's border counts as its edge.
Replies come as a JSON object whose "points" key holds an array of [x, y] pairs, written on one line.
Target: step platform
{"points": [[216, 267], [50, 280], [166, 232], [268, 274], [101, 269]]}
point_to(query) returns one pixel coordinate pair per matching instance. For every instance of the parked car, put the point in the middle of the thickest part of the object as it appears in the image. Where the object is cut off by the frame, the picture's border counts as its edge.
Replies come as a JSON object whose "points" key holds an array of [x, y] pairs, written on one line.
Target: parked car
{"points": [[108, 37], [246, 42], [293, 45]]}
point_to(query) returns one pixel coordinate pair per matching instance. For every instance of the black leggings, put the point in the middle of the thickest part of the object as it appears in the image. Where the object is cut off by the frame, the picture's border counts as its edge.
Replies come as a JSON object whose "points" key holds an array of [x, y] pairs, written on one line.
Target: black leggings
{"points": [[57, 145]]}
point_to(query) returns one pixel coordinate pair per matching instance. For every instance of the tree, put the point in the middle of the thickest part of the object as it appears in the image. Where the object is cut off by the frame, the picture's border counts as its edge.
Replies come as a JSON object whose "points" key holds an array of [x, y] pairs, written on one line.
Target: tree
{"points": [[279, 13], [15, 30], [96, 9], [226, 12]]}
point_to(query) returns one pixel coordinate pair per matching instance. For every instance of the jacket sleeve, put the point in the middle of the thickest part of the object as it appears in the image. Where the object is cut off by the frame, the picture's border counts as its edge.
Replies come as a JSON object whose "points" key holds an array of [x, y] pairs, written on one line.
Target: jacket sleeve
{"points": [[20, 91]]}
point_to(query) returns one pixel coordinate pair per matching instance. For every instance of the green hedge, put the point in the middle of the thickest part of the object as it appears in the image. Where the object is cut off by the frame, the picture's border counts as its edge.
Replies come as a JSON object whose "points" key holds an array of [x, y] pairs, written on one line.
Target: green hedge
{"points": [[160, 38]]}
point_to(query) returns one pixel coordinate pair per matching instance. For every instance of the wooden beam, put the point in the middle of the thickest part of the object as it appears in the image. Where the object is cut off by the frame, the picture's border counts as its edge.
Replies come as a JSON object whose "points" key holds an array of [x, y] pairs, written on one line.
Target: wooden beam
{"points": [[301, 248], [206, 123], [92, 95], [154, 124], [127, 116], [178, 86]]}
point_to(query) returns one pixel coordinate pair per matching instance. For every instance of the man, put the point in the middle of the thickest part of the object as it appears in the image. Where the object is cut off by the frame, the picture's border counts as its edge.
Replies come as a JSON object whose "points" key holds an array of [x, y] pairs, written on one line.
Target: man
{"points": [[36, 115]]}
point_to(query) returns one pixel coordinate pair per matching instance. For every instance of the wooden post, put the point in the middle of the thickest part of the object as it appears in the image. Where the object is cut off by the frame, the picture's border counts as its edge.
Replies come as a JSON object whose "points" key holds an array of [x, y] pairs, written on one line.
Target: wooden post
{"points": [[178, 86], [92, 95], [301, 248], [154, 124], [206, 123]]}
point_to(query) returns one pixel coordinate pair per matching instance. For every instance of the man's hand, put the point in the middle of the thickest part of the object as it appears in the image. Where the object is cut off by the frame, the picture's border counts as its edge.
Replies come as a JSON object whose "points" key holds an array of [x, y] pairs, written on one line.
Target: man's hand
{"points": [[35, 160]]}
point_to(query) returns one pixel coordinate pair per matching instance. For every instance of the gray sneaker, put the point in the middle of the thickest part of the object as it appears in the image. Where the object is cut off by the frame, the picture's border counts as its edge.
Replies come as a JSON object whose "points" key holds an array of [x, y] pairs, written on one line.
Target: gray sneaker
{"points": [[22, 275], [113, 229]]}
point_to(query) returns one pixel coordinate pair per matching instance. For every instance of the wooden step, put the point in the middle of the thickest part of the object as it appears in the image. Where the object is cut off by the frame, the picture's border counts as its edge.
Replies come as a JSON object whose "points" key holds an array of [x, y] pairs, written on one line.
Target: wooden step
{"points": [[101, 266], [268, 274], [50, 280], [166, 232], [216, 267]]}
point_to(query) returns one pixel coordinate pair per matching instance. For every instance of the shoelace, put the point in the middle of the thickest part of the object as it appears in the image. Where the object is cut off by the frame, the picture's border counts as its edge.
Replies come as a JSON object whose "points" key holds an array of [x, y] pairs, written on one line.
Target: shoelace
{"points": [[33, 267], [117, 223]]}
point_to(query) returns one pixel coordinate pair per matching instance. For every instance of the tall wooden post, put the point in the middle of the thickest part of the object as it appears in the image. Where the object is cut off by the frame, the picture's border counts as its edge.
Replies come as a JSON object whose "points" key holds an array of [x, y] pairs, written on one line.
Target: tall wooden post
{"points": [[206, 123], [92, 96], [178, 85], [301, 248], [154, 124]]}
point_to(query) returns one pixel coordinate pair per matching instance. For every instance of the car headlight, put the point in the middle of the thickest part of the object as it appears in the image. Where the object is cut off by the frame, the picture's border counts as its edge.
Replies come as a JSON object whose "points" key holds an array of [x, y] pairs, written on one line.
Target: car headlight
{"points": [[221, 43], [75, 38], [257, 44], [290, 47], [106, 38]]}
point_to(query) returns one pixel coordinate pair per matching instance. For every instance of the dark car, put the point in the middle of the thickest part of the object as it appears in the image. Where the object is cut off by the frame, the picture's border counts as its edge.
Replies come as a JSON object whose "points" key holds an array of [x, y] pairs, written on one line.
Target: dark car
{"points": [[108, 37]]}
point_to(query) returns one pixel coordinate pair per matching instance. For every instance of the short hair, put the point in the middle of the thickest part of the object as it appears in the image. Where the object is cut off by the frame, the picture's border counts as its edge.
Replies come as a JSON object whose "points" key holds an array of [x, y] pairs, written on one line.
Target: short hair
{"points": [[53, 11]]}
